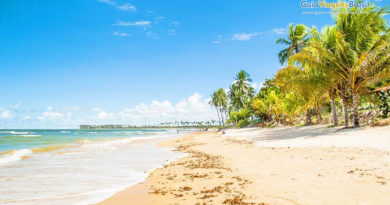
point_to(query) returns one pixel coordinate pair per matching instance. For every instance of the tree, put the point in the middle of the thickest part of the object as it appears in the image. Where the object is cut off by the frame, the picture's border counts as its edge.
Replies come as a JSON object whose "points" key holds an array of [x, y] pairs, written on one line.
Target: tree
{"points": [[296, 40], [305, 82], [241, 92], [316, 56], [219, 101]]}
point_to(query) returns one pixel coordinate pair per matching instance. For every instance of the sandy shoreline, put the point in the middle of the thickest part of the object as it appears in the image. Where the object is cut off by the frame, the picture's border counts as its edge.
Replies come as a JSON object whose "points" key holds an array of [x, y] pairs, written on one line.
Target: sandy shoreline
{"points": [[236, 169]]}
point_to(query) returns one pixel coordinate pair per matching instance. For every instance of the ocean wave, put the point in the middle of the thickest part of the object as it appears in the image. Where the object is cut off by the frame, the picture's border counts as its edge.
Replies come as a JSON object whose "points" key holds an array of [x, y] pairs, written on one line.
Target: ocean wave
{"points": [[14, 155], [15, 132], [30, 135]]}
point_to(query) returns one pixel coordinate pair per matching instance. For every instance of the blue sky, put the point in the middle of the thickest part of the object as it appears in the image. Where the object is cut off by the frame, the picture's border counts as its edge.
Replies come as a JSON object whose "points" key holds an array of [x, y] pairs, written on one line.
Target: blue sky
{"points": [[63, 63]]}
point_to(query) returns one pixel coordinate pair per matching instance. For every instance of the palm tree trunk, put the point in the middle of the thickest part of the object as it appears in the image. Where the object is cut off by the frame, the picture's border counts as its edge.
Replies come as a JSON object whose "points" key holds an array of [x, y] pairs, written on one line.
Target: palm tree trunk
{"points": [[226, 115], [219, 117], [308, 117], [335, 119], [355, 100], [345, 107], [319, 118], [222, 118]]}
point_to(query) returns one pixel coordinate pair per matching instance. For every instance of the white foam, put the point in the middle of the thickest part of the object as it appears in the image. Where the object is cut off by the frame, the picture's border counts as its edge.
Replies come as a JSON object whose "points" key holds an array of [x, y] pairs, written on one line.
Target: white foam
{"points": [[14, 156], [86, 173], [14, 132], [30, 135]]}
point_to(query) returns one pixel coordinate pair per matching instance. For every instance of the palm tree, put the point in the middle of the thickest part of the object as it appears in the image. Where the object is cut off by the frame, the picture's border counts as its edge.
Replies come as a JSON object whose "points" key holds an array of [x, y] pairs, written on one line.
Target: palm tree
{"points": [[219, 101], [297, 39], [307, 83], [364, 47], [316, 56], [214, 103], [241, 92]]}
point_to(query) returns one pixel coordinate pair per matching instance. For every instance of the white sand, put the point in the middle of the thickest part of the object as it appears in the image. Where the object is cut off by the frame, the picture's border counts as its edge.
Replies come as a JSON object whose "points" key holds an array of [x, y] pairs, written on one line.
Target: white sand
{"points": [[316, 136]]}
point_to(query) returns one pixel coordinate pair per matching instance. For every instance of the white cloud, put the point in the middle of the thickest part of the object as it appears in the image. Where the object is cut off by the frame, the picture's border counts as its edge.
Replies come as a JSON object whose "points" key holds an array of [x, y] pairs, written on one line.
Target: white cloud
{"points": [[219, 40], [152, 35], [172, 32], [50, 115], [175, 23], [102, 114], [27, 117], [107, 2], [137, 23], [192, 108], [244, 36], [279, 31], [16, 106], [127, 7], [120, 34], [158, 19], [248, 36], [6, 114], [257, 86], [123, 7]]}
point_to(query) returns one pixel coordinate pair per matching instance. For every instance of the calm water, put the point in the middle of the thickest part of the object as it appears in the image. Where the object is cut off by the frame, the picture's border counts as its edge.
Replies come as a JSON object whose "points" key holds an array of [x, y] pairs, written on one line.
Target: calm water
{"points": [[76, 166]]}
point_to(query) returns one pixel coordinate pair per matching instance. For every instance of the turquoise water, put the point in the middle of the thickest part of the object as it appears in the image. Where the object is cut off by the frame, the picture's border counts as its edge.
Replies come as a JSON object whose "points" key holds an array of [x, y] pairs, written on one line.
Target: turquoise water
{"points": [[27, 139], [50, 167]]}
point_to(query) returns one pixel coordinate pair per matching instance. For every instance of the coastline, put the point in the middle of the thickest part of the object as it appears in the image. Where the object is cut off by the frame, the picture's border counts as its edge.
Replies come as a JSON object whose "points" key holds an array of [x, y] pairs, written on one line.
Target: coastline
{"points": [[236, 168], [92, 167]]}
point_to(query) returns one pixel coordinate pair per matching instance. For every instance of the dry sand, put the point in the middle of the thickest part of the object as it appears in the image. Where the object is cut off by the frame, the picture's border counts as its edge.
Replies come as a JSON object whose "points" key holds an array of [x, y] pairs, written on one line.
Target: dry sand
{"points": [[305, 165]]}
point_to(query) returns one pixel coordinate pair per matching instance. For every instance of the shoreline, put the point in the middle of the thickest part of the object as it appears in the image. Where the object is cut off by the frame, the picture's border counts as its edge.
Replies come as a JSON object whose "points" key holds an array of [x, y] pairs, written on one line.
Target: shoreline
{"points": [[91, 170], [233, 169]]}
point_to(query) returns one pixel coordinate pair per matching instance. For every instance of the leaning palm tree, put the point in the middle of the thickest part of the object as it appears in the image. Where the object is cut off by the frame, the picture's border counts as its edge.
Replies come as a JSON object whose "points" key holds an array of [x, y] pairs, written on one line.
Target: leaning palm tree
{"points": [[297, 39]]}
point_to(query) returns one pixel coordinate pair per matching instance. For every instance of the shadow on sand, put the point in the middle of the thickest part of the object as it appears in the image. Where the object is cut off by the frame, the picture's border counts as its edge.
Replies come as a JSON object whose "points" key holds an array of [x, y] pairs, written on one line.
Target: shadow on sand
{"points": [[285, 133]]}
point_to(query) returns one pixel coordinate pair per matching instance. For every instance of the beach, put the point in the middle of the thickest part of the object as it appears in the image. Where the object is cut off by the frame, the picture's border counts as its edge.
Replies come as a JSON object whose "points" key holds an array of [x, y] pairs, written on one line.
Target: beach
{"points": [[286, 165], [77, 166]]}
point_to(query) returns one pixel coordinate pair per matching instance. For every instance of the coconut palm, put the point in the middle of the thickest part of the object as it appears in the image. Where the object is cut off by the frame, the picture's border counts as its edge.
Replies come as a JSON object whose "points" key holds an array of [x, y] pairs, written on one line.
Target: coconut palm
{"points": [[316, 57], [364, 47], [215, 103], [297, 39], [219, 101], [241, 92], [305, 82]]}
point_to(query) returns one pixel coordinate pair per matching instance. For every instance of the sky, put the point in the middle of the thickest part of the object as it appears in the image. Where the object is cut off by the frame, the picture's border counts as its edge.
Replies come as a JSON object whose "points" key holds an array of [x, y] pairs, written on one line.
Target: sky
{"points": [[66, 63]]}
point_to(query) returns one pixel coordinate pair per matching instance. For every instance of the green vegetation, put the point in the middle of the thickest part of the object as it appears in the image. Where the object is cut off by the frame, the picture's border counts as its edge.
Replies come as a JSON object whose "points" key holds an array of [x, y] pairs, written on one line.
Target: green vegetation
{"points": [[346, 65], [175, 124]]}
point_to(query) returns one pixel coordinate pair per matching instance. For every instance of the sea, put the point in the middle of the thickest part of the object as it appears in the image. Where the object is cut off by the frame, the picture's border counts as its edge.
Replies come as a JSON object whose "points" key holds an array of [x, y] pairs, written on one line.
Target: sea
{"points": [[77, 166]]}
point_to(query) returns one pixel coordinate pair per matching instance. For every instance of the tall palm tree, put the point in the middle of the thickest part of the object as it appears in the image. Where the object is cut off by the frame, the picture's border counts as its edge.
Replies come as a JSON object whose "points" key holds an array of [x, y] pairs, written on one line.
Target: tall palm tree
{"points": [[214, 103], [316, 56], [219, 101], [297, 38], [223, 104], [364, 47], [241, 92]]}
